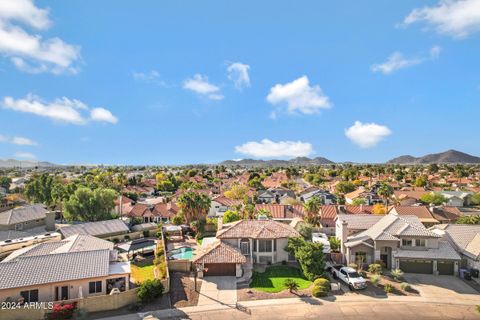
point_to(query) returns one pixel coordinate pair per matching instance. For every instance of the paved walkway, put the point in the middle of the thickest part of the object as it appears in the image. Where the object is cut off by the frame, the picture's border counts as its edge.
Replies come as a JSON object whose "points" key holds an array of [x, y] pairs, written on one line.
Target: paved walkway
{"points": [[218, 291]]}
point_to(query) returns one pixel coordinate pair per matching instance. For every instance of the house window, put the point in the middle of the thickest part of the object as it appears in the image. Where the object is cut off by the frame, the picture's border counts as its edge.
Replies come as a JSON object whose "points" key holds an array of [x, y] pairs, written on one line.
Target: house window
{"points": [[407, 242], [95, 287], [30, 295], [264, 245], [420, 242]]}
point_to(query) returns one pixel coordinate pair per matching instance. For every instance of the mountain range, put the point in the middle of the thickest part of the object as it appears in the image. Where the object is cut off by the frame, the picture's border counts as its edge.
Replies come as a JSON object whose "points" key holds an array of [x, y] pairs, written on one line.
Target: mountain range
{"points": [[449, 156], [299, 161], [12, 163]]}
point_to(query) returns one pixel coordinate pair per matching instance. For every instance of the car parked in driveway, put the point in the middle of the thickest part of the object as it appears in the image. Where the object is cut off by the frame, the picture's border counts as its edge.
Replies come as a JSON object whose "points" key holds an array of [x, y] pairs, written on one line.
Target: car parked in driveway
{"points": [[349, 276]]}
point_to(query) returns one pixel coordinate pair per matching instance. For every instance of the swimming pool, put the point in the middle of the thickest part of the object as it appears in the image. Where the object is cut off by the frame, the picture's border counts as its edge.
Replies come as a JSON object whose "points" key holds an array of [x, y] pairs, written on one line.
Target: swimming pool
{"points": [[181, 253]]}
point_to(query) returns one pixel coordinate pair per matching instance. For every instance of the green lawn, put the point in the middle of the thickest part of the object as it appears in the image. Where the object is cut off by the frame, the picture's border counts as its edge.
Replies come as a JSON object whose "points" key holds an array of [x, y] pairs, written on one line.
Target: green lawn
{"points": [[141, 274], [274, 276]]}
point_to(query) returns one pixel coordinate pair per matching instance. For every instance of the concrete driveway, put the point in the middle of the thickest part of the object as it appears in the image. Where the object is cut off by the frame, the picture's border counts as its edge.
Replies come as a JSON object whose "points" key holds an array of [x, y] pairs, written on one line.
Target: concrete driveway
{"points": [[441, 287], [218, 290]]}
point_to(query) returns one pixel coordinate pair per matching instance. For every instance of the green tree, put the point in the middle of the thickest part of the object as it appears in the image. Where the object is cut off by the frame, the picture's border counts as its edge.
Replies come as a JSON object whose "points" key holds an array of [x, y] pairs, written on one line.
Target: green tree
{"points": [[359, 201], [194, 206], [150, 290], [312, 208], [385, 191], [344, 187], [334, 244], [5, 182], [433, 198], [88, 205], [421, 181], [473, 219], [475, 199], [230, 216], [309, 255], [291, 285], [39, 189]]}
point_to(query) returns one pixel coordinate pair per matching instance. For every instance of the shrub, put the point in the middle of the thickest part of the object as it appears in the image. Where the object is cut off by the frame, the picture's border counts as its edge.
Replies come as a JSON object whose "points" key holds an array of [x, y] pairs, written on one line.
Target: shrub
{"points": [[291, 285], [388, 288], [158, 234], [405, 286], [62, 311], [396, 274], [115, 240], [375, 279], [375, 268], [284, 262], [321, 287], [146, 233], [380, 262], [478, 308], [127, 237], [150, 290]]}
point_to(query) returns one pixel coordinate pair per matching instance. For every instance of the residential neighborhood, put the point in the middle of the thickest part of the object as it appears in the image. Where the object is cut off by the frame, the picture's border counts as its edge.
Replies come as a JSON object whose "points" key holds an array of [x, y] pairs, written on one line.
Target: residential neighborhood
{"points": [[257, 160]]}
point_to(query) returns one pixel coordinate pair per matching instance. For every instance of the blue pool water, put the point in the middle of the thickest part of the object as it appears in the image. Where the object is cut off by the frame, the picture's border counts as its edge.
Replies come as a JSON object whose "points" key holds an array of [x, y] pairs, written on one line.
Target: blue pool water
{"points": [[182, 253]]}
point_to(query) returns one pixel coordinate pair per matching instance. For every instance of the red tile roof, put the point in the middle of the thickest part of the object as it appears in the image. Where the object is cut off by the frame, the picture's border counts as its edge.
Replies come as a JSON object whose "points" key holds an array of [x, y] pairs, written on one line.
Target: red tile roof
{"points": [[220, 252], [283, 211], [257, 229]]}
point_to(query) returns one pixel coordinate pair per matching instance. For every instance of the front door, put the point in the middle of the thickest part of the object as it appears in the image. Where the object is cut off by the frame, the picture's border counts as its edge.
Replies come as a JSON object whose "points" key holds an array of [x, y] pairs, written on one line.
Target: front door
{"points": [[61, 293], [244, 248], [384, 258]]}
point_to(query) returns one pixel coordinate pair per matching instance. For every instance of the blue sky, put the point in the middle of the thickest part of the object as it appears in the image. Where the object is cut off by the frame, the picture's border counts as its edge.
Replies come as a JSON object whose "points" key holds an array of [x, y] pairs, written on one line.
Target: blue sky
{"points": [[176, 82]]}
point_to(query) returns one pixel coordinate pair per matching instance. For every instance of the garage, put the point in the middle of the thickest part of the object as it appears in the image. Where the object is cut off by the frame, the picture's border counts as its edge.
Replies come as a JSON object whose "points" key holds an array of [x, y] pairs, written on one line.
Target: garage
{"points": [[445, 267], [220, 269], [417, 266]]}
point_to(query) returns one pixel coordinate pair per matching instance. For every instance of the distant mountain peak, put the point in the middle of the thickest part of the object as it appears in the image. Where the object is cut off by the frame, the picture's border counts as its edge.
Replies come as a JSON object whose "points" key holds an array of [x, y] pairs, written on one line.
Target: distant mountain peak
{"points": [[449, 156], [302, 161]]}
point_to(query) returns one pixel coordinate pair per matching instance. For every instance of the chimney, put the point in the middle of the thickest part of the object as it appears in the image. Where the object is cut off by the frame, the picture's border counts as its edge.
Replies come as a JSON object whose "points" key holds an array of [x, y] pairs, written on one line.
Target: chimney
{"points": [[120, 205], [343, 234], [50, 221], [219, 223]]}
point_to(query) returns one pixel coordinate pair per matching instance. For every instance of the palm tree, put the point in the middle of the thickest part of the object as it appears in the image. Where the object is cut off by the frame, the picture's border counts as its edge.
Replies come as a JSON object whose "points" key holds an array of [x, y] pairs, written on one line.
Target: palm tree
{"points": [[195, 206], [385, 191], [312, 208]]}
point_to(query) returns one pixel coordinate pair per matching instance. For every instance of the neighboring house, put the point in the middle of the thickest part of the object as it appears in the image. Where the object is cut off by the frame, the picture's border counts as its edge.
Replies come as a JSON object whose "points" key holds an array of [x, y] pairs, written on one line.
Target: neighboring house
{"points": [[275, 195], [221, 204], [159, 212], [99, 229], [421, 212], [3, 191], [165, 211], [79, 266], [354, 223], [328, 214], [27, 217], [408, 197], [446, 214], [465, 238], [361, 209], [123, 205], [265, 196], [457, 198], [400, 242], [325, 197], [283, 212], [258, 241], [25, 226], [370, 198]]}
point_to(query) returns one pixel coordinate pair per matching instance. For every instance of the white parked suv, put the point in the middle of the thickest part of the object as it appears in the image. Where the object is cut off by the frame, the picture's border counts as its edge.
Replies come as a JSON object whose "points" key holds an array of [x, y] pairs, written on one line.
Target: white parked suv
{"points": [[323, 239], [350, 276]]}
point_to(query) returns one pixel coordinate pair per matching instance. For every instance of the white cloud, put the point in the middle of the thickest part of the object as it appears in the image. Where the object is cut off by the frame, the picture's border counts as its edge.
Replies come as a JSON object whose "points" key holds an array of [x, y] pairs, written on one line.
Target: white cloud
{"points": [[367, 135], [457, 18], [30, 52], [25, 155], [199, 84], [101, 114], [238, 73], [397, 61], [299, 96], [22, 141], [3, 138], [152, 76], [270, 149], [62, 109]]}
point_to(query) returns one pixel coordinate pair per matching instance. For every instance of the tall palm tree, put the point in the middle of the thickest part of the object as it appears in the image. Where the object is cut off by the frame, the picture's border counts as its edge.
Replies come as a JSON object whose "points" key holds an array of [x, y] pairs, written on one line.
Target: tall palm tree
{"points": [[195, 206], [385, 191], [312, 208]]}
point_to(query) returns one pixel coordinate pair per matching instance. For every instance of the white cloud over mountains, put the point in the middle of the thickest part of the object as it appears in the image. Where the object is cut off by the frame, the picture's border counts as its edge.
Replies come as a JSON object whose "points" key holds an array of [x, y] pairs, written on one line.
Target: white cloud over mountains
{"points": [[299, 96], [63, 109], [20, 141], [270, 149], [31, 52], [367, 135]]}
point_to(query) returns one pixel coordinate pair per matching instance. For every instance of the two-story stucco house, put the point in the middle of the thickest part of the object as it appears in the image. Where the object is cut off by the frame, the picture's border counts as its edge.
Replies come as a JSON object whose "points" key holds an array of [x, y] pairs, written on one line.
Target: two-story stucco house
{"points": [[400, 242], [257, 241]]}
